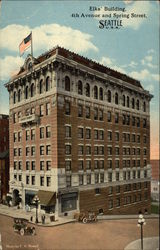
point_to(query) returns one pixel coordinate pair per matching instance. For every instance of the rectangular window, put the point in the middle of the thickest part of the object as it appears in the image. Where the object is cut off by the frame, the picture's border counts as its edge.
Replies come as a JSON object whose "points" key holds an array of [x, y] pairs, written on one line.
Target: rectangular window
{"points": [[80, 179], [101, 150], [68, 181], [67, 149], [117, 176], [48, 150], [48, 165], [128, 137], [80, 164], [118, 189], [32, 134], [68, 131], [138, 139], [41, 133], [138, 174], [110, 177], [128, 120], [48, 108], [101, 164], [48, 132], [134, 174], [124, 175], [80, 111], [116, 150], [15, 137], [109, 149], [88, 164], [20, 177], [95, 113], [133, 137], [33, 180], [110, 190], [20, 152], [138, 151], [96, 150], [133, 121], [88, 133], [96, 176], [123, 119], [109, 135], [14, 118], [19, 136], [101, 134], [27, 179], [41, 150], [110, 204], [144, 123], [41, 181], [33, 164], [87, 112], [144, 139], [117, 136], [117, 202], [95, 164], [100, 115], [96, 134], [109, 116], [116, 118], [27, 151], [80, 133], [145, 151], [109, 163], [80, 150], [101, 177], [48, 181], [88, 150], [41, 165], [41, 110], [33, 150], [20, 165], [67, 108], [117, 163], [88, 178], [138, 122], [27, 135], [68, 165], [15, 165], [27, 165]]}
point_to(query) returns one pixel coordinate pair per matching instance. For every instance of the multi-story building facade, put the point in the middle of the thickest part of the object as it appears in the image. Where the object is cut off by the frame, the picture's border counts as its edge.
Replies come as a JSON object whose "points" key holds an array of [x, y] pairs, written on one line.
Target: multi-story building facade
{"points": [[79, 136], [4, 132]]}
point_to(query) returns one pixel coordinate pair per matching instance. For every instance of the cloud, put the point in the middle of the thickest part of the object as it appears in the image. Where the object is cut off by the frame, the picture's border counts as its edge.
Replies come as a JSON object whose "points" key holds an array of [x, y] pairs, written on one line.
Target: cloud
{"points": [[132, 64], [144, 75], [111, 63], [9, 66], [45, 37], [137, 7], [128, 1], [150, 88], [150, 51], [147, 61]]}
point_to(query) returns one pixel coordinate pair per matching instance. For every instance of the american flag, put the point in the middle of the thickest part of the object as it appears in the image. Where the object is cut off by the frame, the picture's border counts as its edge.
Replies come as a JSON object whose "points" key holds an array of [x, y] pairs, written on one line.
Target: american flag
{"points": [[25, 44]]}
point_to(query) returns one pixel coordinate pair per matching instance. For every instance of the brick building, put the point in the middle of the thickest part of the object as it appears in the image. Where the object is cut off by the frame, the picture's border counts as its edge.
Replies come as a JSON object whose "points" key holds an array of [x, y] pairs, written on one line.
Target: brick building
{"points": [[155, 180], [79, 136], [4, 156]]}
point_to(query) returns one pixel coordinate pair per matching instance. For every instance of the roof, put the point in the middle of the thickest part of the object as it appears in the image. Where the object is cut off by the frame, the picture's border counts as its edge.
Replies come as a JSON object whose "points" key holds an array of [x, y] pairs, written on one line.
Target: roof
{"points": [[84, 61], [4, 154], [155, 169], [47, 198]]}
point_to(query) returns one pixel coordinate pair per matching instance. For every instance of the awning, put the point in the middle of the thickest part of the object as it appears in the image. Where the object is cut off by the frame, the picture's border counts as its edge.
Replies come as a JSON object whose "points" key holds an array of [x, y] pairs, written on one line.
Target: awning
{"points": [[47, 198]]}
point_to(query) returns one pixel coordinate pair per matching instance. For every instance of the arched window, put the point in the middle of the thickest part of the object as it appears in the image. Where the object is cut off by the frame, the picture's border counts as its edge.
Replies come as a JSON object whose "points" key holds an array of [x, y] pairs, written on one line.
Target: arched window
{"points": [[124, 101], [19, 95], [101, 94], [80, 88], [87, 89], [14, 97], [116, 98], [128, 101], [67, 83], [41, 86], [26, 92], [144, 106], [137, 104], [109, 98], [95, 92], [133, 103], [48, 83], [32, 90]]}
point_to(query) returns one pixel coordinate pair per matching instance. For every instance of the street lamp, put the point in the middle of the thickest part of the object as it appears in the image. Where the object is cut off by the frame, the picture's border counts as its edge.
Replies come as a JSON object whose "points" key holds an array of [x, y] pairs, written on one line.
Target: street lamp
{"points": [[141, 222], [36, 201]]}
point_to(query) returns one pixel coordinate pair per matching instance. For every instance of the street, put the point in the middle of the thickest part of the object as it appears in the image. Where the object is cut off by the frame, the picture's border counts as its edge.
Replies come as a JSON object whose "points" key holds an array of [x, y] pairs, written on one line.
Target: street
{"points": [[103, 235]]}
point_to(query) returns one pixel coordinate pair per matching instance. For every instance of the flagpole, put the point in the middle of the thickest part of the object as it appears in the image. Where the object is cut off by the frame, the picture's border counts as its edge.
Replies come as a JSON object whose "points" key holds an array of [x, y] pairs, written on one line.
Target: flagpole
{"points": [[31, 45]]}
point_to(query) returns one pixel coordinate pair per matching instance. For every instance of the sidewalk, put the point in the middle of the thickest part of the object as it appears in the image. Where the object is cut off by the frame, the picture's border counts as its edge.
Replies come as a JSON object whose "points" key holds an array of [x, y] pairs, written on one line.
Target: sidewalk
{"points": [[148, 244], [127, 216], [19, 213]]}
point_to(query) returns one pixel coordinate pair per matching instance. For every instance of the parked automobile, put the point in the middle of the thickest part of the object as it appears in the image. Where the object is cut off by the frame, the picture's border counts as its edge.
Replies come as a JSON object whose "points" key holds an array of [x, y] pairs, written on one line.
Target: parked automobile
{"points": [[86, 217], [20, 225]]}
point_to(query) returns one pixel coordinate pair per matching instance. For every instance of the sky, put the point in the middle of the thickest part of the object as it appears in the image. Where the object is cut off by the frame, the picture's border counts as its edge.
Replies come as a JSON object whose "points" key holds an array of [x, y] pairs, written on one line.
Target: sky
{"points": [[132, 49]]}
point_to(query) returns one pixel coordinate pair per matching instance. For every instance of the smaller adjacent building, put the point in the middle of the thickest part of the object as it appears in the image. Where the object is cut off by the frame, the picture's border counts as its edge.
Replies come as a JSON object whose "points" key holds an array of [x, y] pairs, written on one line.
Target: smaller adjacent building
{"points": [[155, 180]]}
